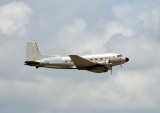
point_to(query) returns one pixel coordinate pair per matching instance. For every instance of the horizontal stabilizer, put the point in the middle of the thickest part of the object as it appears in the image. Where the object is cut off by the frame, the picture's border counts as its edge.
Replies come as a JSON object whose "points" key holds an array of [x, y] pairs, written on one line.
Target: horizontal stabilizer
{"points": [[31, 63], [80, 62]]}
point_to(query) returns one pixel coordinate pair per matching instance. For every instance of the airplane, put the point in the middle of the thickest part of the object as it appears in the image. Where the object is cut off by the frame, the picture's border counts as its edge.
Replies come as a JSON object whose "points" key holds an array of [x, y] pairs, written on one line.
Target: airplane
{"points": [[97, 63]]}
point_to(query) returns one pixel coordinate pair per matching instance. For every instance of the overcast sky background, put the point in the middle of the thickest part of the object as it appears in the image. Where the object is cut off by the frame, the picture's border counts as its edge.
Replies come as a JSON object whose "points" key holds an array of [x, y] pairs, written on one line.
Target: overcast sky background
{"points": [[65, 27]]}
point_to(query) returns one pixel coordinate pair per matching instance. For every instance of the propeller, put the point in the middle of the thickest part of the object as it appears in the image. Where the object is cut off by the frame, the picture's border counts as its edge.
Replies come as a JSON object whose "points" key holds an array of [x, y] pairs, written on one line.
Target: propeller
{"points": [[110, 65], [111, 70]]}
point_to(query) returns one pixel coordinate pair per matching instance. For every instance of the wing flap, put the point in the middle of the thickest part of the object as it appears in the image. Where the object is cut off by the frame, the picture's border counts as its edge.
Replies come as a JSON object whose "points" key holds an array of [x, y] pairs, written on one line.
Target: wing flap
{"points": [[80, 62]]}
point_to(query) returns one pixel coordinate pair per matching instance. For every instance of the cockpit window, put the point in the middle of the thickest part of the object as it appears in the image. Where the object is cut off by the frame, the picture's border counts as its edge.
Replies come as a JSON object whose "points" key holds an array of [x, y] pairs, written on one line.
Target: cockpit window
{"points": [[119, 55]]}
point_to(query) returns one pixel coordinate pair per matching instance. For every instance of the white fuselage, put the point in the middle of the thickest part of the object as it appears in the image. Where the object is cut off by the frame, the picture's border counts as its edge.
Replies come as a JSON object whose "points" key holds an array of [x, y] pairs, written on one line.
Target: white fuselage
{"points": [[66, 62]]}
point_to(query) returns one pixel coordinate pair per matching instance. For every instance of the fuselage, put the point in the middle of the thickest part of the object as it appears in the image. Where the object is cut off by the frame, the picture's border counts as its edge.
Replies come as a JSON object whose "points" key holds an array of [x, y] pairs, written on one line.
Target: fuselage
{"points": [[67, 63]]}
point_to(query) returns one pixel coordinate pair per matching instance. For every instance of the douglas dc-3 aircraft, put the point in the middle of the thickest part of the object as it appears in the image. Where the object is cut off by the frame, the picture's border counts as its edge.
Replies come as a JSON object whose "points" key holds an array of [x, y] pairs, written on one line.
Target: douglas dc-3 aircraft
{"points": [[97, 63]]}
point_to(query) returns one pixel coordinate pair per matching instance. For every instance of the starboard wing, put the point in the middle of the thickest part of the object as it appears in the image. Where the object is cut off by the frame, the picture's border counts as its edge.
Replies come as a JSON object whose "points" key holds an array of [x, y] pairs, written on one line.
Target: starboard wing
{"points": [[80, 62]]}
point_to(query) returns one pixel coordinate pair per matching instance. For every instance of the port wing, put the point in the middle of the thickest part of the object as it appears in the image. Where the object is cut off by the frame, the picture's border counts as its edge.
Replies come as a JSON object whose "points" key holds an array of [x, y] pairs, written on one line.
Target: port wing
{"points": [[80, 62]]}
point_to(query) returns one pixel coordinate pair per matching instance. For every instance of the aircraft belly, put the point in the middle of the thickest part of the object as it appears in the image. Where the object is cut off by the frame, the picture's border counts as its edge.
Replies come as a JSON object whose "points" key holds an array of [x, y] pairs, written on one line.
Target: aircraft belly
{"points": [[60, 66], [96, 69]]}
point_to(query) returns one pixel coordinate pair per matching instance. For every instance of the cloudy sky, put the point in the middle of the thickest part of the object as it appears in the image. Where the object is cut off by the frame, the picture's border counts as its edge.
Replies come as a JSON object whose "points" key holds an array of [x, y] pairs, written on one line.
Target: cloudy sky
{"points": [[64, 27]]}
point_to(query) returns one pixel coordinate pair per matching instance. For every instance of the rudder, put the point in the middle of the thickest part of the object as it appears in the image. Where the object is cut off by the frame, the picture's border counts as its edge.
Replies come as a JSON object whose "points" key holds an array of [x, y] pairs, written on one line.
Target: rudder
{"points": [[32, 53]]}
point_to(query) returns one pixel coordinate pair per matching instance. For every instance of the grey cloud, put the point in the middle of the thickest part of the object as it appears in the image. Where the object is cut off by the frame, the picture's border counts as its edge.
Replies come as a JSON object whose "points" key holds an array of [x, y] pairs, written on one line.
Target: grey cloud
{"points": [[139, 49], [134, 93], [142, 41], [13, 17]]}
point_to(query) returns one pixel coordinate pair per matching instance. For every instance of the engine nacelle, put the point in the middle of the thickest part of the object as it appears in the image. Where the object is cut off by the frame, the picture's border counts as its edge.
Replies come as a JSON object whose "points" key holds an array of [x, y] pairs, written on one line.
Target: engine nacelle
{"points": [[105, 63]]}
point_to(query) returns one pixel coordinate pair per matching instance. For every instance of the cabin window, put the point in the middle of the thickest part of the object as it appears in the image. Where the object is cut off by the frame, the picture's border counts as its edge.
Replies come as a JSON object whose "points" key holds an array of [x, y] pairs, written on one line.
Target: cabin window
{"points": [[66, 61], [118, 55], [91, 59], [106, 58], [101, 58], [95, 58]]}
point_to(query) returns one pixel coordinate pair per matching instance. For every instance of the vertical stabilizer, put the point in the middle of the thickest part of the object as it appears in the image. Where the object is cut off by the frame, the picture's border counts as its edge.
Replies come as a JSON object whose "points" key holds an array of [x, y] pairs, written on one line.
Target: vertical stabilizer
{"points": [[32, 52]]}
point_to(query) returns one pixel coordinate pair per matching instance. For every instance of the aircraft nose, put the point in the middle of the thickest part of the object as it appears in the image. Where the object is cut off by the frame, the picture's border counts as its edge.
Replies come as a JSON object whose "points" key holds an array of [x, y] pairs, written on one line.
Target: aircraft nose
{"points": [[127, 59]]}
